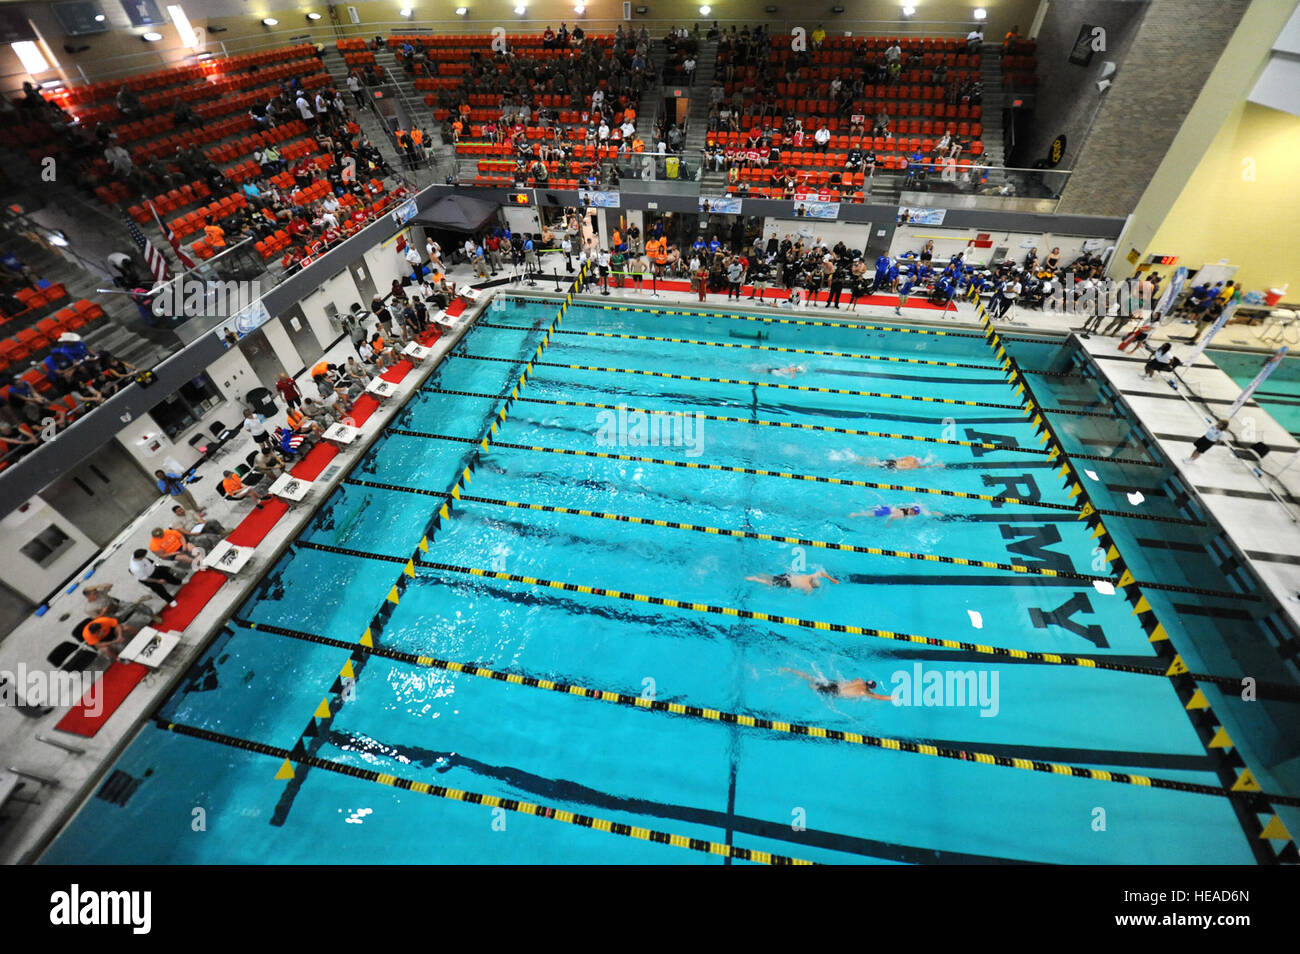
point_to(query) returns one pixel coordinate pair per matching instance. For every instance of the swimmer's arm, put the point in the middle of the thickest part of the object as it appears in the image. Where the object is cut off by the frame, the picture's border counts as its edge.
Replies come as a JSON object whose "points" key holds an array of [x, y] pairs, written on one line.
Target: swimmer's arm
{"points": [[765, 580], [876, 695]]}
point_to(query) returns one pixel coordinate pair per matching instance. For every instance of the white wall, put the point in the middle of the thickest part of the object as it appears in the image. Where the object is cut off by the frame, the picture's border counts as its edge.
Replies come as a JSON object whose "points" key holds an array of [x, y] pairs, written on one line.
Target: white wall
{"points": [[25, 575], [385, 263], [342, 292], [522, 219], [280, 343], [948, 242], [233, 376], [853, 235], [153, 454]]}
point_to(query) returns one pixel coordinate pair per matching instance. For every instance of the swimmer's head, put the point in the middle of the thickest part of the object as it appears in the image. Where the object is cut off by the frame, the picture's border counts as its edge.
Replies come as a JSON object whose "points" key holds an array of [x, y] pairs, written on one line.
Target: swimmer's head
{"points": [[914, 510], [889, 463], [871, 683]]}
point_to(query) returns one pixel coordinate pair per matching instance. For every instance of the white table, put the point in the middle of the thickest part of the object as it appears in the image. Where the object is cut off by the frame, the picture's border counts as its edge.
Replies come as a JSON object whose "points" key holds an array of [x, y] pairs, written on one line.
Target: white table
{"points": [[342, 433], [469, 292], [227, 557], [416, 352], [289, 487], [150, 647], [381, 388]]}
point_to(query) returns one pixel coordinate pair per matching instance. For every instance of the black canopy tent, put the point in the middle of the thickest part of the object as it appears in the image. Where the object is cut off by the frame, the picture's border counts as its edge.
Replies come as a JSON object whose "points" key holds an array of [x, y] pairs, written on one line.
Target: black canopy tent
{"points": [[458, 213]]}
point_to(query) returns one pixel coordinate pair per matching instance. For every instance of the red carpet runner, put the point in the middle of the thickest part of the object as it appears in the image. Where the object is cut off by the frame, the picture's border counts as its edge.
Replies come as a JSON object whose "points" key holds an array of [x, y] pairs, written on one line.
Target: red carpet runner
{"points": [[116, 682]]}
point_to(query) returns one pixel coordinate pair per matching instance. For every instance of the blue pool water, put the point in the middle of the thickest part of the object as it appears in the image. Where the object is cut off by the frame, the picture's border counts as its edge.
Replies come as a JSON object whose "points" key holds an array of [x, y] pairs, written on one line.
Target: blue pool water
{"points": [[192, 800], [1279, 395]]}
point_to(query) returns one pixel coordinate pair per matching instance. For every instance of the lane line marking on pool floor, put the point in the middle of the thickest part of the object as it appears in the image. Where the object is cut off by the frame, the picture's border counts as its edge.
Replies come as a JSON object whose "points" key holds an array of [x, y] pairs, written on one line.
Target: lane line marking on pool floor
{"points": [[763, 422], [1059, 659], [886, 395], [1249, 803], [755, 471], [534, 809], [1020, 568], [756, 384], [908, 746], [772, 319], [755, 347]]}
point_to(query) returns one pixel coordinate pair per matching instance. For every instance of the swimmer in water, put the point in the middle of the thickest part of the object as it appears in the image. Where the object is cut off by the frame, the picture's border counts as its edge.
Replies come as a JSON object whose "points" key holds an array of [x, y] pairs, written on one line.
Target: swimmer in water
{"points": [[893, 513], [906, 462], [847, 688], [804, 582], [789, 371]]}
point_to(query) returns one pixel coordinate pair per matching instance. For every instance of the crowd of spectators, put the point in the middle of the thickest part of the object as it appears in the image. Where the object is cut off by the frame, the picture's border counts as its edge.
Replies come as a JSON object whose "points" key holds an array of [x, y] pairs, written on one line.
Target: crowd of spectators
{"points": [[73, 380]]}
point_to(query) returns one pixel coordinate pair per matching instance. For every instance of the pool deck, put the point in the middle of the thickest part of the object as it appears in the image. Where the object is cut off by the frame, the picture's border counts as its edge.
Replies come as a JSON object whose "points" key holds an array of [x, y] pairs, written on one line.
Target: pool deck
{"points": [[1257, 524], [42, 809], [1256, 504]]}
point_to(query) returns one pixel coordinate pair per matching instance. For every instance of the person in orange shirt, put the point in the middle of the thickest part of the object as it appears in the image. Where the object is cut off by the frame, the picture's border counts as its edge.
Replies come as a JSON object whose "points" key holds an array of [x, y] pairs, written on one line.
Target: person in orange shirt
{"points": [[234, 488], [637, 145], [214, 233], [107, 635], [170, 546]]}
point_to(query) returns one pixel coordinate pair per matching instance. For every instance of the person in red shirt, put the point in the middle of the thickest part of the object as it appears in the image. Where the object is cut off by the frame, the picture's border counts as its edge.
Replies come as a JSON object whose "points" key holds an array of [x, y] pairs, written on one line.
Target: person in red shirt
{"points": [[299, 227], [289, 392]]}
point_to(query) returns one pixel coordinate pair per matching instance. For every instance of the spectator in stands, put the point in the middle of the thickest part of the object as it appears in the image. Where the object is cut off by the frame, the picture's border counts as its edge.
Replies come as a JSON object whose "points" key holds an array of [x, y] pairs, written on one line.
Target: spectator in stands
{"points": [[214, 233], [128, 103], [974, 40], [234, 488], [354, 87], [821, 138], [305, 111], [196, 523]]}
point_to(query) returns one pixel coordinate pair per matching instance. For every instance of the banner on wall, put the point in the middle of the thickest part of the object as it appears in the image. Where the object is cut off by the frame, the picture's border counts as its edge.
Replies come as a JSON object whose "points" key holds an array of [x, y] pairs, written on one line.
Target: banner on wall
{"points": [[143, 13], [600, 200], [817, 210], [721, 204], [921, 216], [405, 212]]}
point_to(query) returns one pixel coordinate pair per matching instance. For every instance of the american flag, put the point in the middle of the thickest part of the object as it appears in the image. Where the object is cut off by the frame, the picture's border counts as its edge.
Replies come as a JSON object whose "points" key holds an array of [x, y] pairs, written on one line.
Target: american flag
{"points": [[152, 257], [170, 234]]}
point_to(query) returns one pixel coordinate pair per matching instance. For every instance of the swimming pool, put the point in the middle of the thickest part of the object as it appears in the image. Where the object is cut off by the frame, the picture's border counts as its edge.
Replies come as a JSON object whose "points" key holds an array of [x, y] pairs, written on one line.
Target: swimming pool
{"points": [[1279, 395], [341, 718]]}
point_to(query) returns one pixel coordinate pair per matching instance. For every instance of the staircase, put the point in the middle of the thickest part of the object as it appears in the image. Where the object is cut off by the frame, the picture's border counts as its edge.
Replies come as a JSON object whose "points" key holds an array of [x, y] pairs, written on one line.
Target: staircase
{"points": [[697, 121], [993, 104], [123, 331], [398, 86]]}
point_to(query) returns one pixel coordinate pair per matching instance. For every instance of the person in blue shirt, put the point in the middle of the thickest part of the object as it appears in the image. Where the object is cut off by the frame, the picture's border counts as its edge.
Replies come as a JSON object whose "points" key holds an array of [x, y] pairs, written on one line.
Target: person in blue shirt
{"points": [[173, 485], [698, 245], [714, 245], [905, 284], [883, 265]]}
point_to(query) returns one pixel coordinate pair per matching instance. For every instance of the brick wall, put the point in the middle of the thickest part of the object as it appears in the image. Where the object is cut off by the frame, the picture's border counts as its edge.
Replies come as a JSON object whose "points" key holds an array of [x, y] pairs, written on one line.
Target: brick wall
{"points": [[1172, 54], [1067, 97]]}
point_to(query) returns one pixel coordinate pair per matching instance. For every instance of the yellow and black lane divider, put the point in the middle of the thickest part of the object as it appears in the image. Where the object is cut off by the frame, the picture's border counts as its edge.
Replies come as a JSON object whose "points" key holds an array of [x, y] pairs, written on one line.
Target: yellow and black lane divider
{"points": [[755, 471], [478, 798], [1249, 802], [760, 422], [705, 713], [1273, 690], [1023, 569], [756, 384], [759, 347], [342, 684], [774, 320]]}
